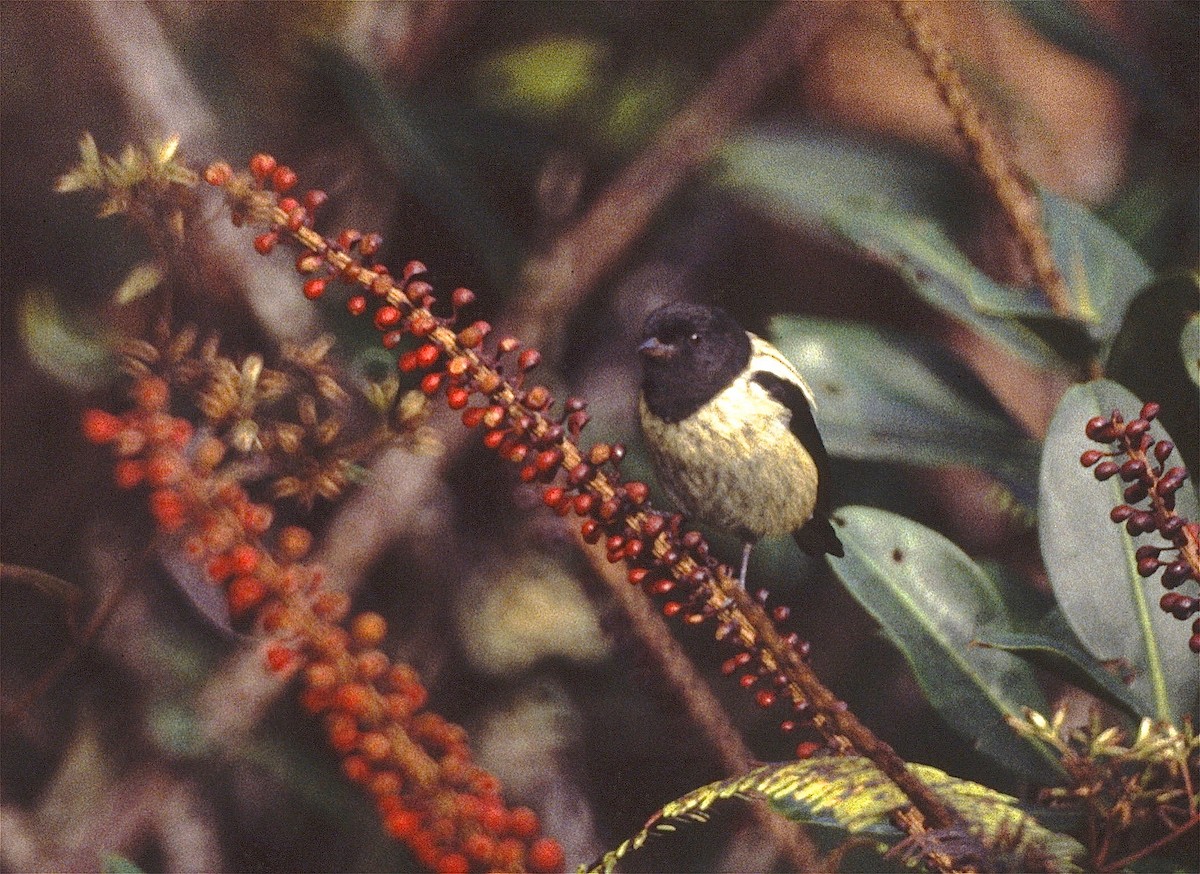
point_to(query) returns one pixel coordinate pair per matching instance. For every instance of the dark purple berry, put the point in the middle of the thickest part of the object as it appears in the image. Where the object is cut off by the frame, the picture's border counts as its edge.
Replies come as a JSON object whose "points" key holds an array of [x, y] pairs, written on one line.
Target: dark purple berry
{"points": [[1171, 481], [1162, 449], [1150, 410], [1134, 468], [1135, 492], [1140, 522], [1090, 457], [1137, 428], [1147, 551], [1100, 429], [1172, 526], [1194, 643], [1105, 469], [1120, 513], [1146, 567], [1175, 574]]}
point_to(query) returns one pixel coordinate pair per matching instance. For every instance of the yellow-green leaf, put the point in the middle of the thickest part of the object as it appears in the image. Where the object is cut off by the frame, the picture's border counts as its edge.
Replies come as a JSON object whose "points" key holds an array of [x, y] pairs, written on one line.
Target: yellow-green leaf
{"points": [[850, 794]]}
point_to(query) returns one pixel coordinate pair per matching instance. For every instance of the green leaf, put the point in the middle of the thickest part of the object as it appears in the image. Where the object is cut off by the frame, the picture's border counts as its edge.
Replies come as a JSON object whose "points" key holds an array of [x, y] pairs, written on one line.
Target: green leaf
{"points": [[1189, 348], [543, 76], [1103, 271], [414, 143], [1145, 356], [908, 216], [114, 863], [883, 396], [63, 350], [1055, 648], [849, 794], [142, 279], [933, 603], [1090, 560]]}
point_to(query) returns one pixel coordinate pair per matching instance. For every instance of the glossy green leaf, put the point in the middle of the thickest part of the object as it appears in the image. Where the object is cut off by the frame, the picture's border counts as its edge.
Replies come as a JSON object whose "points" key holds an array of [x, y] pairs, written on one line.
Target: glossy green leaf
{"points": [[1090, 560], [933, 602], [414, 143], [1145, 357], [1189, 348], [61, 348], [541, 76], [848, 794], [884, 396], [1054, 648], [906, 210], [113, 863]]}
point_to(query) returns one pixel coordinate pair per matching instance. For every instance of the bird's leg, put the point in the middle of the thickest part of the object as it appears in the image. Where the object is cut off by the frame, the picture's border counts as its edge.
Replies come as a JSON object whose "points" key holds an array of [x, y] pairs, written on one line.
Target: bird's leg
{"points": [[746, 547]]}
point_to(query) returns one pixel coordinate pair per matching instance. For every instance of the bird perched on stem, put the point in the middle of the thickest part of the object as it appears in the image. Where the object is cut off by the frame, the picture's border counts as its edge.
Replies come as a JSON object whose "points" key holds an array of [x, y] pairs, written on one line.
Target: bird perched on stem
{"points": [[729, 426]]}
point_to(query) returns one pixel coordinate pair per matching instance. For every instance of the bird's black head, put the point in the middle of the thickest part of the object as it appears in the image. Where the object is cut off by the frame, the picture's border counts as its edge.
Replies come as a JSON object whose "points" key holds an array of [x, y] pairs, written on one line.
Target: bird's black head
{"points": [[690, 352]]}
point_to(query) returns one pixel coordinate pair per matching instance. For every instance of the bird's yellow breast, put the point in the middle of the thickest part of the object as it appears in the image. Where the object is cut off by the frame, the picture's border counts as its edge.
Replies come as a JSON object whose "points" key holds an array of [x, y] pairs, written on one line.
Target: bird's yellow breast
{"points": [[734, 463]]}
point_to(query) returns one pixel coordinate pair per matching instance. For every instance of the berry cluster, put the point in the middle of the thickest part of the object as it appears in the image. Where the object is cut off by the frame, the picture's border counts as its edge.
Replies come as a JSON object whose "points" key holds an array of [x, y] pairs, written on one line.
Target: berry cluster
{"points": [[489, 385], [1140, 461], [417, 766]]}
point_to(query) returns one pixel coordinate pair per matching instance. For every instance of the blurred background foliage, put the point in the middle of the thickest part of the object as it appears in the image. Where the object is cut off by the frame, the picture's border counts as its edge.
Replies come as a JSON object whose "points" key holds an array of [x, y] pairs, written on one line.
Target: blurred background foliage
{"points": [[833, 211]]}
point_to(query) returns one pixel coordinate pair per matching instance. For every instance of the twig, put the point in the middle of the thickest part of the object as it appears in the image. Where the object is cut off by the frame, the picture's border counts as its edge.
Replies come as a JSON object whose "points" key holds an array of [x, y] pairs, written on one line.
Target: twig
{"points": [[700, 704], [1165, 840], [1020, 207]]}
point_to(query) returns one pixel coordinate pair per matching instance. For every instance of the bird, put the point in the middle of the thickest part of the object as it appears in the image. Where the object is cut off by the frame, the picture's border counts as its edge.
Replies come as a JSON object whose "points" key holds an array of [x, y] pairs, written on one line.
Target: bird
{"points": [[728, 424]]}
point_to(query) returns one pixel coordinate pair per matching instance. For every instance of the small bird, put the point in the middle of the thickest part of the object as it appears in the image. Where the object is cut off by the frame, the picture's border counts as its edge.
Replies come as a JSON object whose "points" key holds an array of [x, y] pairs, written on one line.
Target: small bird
{"points": [[728, 423]]}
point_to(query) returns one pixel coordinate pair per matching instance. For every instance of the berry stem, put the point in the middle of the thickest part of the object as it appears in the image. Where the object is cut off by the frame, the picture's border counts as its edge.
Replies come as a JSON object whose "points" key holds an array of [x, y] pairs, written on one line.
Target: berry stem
{"points": [[717, 594]]}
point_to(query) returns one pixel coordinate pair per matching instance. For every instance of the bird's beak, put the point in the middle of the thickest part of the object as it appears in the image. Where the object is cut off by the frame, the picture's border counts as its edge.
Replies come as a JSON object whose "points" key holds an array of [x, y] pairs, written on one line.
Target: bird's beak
{"points": [[655, 348]]}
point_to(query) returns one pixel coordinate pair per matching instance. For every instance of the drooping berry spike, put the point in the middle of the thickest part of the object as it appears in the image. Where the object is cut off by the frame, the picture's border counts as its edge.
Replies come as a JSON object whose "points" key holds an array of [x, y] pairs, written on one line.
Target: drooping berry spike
{"points": [[1140, 461]]}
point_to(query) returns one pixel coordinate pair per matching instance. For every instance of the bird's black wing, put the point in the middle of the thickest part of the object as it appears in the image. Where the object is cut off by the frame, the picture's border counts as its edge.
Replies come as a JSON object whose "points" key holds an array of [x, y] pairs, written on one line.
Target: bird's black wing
{"points": [[817, 536]]}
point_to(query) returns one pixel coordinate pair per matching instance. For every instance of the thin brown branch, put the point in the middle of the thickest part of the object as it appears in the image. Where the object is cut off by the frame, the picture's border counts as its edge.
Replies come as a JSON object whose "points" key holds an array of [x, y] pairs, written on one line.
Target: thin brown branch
{"points": [[700, 704], [1020, 207]]}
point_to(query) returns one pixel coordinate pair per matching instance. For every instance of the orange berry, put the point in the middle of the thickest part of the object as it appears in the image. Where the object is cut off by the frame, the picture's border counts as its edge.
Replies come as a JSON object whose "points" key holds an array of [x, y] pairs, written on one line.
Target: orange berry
{"points": [[402, 824], [151, 393], [128, 473], [522, 823], [244, 558], [168, 509], [164, 468], [245, 592], [343, 732], [452, 863], [264, 244], [279, 657], [294, 542], [101, 426], [375, 745], [353, 699], [357, 769], [332, 606], [546, 856], [218, 173]]}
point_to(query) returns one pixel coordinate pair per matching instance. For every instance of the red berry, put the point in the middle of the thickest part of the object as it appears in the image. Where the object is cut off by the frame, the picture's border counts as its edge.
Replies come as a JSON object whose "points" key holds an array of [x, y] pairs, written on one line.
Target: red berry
{"points": [[529, 359], [807, 749], [1090, 457], [553, 496], [218, 173], [264, 244], [386, 317], [314, 288], [461, 297], [283, 178], [427, 355], [262, 166], [411, 269], [314, 199], [431, 382], [357, 304]]}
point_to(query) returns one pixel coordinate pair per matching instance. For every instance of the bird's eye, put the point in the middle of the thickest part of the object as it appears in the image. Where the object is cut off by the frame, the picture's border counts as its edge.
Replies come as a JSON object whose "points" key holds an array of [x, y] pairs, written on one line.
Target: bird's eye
{"points": [[694, 338]]}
